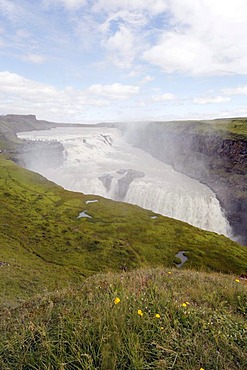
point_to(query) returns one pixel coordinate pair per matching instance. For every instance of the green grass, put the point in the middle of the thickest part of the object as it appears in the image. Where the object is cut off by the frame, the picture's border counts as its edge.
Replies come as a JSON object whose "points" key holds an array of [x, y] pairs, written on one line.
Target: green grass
{"points": [[45, 247], [201, 323], [231, 128]]}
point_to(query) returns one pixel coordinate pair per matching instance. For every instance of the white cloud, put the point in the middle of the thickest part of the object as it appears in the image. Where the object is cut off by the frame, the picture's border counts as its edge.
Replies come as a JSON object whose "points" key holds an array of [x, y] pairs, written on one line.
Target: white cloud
{"points": [[180, 53], [211, 100], [22, 34], [114, 91], [34, 58], [12, 83], [147, 79], [69, 4], [163, 97], [237, 112], [124, 30], [121, 47], [241, 90], [154, 7], [205, 38], [8, 8], [21, 95], [135, 20]]}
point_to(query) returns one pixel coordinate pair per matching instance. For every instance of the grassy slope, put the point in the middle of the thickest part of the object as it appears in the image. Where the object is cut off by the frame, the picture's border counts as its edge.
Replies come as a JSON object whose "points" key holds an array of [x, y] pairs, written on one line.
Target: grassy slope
{"points": [[232, 127], [200, 324], [44, 245]]}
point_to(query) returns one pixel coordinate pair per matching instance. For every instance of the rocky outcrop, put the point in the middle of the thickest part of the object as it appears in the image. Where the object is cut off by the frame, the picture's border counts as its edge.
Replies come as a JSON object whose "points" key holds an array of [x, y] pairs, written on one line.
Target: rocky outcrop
{"points": [[124, 182], [124, 178], [106, 180], [217, 161]]}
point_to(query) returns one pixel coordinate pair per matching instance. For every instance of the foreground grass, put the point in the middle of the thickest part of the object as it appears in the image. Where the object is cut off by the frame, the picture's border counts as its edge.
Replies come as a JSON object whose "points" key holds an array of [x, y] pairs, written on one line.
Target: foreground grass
{"points": [[147, 319]]}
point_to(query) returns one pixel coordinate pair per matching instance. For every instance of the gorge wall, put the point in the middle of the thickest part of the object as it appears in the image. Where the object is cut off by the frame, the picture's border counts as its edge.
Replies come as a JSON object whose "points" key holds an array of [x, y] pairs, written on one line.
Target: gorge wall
{"points": [[216, 158]]}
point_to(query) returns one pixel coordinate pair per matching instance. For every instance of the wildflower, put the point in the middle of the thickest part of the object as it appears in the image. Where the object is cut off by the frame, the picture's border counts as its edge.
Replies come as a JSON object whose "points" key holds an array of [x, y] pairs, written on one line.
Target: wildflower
{"points": [[184, 305], [162, 328], [187, 303], [116, 300], [237, 280], [169, 272], [140, 312], [157, 316], [201, 368]]}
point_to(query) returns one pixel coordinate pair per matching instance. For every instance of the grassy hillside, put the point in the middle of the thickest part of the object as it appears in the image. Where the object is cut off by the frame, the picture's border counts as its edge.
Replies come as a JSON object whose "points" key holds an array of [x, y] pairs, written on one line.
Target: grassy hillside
{"points": [[44, 246], [147, 319]]}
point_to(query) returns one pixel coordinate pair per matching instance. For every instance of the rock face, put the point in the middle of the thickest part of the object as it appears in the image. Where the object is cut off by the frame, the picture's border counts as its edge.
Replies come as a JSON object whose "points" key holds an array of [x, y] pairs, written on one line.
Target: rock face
{"points": [[217, 161], [124, 178], [124, 182], [106, 180]]}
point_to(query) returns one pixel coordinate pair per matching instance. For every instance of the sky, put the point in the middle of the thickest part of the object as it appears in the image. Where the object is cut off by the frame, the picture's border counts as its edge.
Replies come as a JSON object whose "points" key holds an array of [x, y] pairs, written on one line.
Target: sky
{"points": [[123, 60]]}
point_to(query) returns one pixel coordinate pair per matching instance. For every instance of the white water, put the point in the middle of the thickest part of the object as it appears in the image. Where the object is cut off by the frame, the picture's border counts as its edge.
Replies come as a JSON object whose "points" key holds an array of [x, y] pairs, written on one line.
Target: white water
{"points": [[93, 152]]}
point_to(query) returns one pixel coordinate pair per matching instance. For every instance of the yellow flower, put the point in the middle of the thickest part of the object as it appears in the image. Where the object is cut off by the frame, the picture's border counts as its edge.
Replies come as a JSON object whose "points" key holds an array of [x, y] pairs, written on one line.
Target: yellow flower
{"points": [[184, 305], [237, 280], [157, 315], [201, 368], [162, 328], [140, 312], [187, 303], [169, 272], [116, 300]]}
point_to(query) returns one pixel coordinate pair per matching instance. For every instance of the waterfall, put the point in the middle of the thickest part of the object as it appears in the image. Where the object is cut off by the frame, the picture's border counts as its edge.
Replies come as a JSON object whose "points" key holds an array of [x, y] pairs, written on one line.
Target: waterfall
{"points": [[197, 210], [97, 160]]}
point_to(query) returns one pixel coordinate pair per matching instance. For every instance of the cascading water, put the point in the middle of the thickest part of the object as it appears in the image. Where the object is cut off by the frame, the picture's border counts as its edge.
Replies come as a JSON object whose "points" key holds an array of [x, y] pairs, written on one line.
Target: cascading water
{"points": [[97, 160]]}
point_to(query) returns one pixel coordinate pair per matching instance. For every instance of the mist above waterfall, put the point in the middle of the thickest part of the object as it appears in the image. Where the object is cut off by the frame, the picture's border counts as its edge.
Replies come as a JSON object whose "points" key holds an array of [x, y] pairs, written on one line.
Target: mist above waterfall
{"points": [[98, 160]]}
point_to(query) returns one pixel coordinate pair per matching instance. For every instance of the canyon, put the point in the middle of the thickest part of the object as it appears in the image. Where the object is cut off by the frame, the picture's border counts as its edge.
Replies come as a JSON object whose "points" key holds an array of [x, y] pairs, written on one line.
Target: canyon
{"points": [[212, 152], [209, 151]]}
